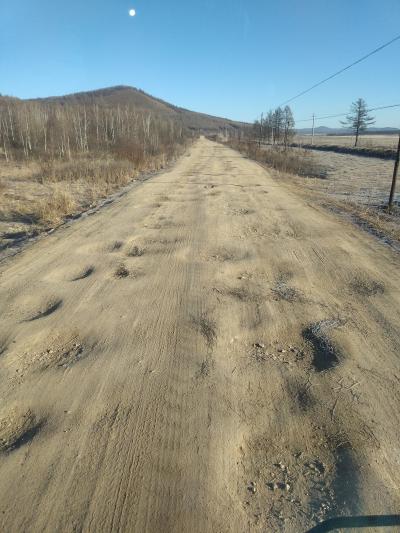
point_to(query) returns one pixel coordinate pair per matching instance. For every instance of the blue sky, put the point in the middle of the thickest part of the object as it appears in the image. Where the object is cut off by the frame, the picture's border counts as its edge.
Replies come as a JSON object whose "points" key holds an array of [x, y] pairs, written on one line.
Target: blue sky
{"points": [[232, 58]]}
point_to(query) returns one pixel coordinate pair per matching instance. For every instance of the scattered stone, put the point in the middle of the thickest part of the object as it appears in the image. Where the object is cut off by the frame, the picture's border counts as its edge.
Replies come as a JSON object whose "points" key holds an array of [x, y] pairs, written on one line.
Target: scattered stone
{"points": [[64, 355], [317, 466], [259, 345], [252, 487]]}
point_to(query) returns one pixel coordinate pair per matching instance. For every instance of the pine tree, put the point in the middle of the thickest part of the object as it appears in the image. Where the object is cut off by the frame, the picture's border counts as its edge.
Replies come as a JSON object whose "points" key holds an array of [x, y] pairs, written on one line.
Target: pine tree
{"points": [[358, 119]]}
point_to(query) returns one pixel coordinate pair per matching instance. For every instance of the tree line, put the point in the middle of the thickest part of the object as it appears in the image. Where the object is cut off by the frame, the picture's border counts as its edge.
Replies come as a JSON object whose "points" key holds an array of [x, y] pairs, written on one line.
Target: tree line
{"points": [[50, 130], [276, 127]]}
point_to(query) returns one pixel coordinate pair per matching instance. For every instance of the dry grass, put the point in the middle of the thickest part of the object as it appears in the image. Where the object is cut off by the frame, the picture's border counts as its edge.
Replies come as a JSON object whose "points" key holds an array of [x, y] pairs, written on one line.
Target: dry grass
{"points": [[292, 161], [40, 195], [108, 171], [47, 210], [376, 220]]}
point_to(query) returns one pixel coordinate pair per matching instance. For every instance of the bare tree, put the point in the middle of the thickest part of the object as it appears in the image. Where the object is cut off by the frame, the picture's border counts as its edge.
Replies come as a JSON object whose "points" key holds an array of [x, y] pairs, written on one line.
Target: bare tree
{"points": [[269, 126], [256, 130], [288, 125], [358, 119], [38, 130], [277, 125]]}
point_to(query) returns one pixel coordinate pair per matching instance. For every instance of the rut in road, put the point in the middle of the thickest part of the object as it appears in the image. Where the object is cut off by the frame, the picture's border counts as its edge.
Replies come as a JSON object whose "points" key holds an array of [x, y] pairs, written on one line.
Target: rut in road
{"points": [[207, 353]]}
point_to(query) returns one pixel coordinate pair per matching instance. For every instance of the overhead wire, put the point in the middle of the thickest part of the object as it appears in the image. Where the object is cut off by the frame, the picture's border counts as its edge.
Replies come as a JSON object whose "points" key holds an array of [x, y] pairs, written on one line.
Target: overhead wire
{"points": [[388, 43], [344, 114]]}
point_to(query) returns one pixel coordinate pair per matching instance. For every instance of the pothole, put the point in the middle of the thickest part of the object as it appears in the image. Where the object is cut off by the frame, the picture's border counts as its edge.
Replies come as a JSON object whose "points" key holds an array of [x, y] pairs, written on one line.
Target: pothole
{"points": [[325, 354]]}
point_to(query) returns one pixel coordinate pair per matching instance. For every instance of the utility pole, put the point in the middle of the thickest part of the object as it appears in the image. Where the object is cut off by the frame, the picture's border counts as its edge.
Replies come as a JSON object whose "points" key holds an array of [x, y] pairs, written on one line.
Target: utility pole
{"points": [[313, 124], [395, 170]]}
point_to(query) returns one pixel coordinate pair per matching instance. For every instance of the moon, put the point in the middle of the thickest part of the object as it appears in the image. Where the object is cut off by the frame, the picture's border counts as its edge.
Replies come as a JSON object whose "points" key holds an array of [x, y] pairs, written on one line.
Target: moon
{"points": [[132, 12]]}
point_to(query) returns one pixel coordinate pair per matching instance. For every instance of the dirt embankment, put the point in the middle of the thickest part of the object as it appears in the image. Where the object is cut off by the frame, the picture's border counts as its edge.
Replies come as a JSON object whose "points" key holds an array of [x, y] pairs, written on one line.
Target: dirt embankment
{"points": [[208, 353]]}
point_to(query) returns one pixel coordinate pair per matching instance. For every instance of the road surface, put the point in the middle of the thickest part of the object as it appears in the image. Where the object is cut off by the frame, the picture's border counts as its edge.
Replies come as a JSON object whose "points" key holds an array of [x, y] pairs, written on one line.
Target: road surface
{"points": [[209, 353]]}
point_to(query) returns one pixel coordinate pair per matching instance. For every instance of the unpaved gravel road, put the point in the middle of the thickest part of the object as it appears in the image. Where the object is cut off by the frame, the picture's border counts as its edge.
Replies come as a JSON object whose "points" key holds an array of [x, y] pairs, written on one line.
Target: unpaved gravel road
{"points": [[207, 354]]}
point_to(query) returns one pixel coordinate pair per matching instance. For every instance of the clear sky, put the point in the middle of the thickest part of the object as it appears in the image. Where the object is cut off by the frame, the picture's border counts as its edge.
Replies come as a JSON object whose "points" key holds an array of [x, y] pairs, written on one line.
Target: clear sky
{"points": [[232, 58]]}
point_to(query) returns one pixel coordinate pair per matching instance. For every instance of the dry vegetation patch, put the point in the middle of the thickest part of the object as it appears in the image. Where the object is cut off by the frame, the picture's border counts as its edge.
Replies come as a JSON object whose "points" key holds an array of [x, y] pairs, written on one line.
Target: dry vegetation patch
{"points": [[300, 162]]}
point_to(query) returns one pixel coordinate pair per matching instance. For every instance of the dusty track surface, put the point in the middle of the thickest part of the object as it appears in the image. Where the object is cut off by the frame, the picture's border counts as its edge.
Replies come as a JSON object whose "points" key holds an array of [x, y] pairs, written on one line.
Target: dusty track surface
{"points": [[207, 354]]}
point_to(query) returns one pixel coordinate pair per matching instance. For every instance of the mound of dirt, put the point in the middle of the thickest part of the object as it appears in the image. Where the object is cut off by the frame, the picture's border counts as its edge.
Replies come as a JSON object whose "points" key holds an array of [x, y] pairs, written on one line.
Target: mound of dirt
{"points": [[17, 427]]}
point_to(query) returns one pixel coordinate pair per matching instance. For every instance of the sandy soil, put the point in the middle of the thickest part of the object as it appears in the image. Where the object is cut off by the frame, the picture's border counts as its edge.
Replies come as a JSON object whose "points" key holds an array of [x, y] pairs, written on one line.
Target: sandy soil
{"points": [[207, 354]]}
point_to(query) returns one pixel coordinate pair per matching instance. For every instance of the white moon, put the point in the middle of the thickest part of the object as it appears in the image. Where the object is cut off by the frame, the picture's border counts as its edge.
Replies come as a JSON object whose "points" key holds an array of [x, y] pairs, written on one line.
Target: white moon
{"points": [[132, 12]]}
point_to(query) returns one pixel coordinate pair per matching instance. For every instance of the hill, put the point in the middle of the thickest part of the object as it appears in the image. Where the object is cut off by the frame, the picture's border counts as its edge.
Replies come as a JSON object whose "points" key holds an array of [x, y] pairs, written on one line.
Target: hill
{"points": [[122, 95]]}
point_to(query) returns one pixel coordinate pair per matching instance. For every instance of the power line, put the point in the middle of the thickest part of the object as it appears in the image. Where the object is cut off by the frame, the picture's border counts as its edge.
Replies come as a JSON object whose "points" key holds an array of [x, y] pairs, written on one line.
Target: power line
{"points": [[344, 114], [342, 70]]}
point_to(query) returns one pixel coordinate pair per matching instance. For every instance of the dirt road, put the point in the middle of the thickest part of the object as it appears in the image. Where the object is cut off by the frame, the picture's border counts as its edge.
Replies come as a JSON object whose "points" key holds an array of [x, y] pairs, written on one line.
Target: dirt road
{"points": [[207, 354]]}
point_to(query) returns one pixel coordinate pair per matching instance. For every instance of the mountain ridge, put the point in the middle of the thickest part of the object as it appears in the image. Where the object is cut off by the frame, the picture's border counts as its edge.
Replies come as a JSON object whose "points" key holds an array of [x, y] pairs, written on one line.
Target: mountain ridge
{"points": [[127, 95]]}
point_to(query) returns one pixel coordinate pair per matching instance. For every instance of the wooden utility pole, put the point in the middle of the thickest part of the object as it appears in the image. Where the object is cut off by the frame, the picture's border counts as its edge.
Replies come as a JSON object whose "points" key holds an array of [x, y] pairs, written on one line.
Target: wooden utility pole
{"points": [[394, 179], [313, 124]]}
